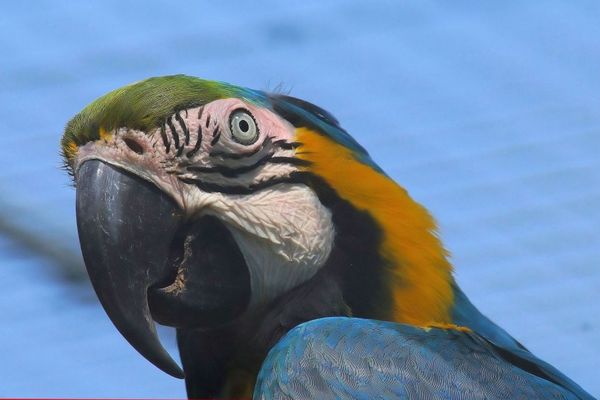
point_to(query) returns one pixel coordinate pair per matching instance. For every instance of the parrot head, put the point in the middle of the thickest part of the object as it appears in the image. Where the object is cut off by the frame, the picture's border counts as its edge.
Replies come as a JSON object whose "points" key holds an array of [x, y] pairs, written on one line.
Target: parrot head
{"points": [[200, 202]]}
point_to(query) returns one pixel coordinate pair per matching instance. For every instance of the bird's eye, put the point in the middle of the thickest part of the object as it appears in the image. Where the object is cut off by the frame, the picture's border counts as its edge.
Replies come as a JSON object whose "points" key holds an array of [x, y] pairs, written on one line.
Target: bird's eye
{"points": [[243, 127]]}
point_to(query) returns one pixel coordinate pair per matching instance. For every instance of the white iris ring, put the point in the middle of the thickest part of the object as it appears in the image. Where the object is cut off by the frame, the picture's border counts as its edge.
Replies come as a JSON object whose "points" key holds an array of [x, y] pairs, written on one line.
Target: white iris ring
{"points": [[243, 127]]}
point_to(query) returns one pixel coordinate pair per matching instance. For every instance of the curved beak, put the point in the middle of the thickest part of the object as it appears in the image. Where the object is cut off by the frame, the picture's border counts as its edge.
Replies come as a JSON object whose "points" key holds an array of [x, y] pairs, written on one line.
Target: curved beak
{"points": [[126, 229]]}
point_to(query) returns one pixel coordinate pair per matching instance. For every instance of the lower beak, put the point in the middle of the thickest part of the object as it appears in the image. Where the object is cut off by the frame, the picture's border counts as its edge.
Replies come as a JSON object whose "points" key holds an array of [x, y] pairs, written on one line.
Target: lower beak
{"points": [[126, 229]]}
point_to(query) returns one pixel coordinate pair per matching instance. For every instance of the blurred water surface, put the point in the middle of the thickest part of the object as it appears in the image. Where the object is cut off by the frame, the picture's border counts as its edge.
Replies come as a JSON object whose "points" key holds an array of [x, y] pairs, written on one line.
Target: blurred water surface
{"points": [[487, 113]]}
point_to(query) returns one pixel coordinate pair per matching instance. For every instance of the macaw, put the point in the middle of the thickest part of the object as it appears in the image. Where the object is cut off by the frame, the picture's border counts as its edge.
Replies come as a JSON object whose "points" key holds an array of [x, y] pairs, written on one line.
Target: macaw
{"points": [[289, 263]]}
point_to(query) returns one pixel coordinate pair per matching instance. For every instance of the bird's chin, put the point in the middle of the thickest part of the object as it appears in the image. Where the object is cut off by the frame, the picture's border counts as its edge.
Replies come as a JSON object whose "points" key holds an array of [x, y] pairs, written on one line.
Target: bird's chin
{"points": [[210, 284]]}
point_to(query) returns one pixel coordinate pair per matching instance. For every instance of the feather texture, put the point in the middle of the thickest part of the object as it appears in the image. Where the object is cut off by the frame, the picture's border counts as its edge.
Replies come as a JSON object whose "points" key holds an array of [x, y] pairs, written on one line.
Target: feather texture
{"points": [[352, 358]]}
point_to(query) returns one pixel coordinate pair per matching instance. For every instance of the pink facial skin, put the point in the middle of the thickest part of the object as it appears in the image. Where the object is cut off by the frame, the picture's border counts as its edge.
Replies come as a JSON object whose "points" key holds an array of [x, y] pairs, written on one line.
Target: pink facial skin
{"points": [[215, 115], [170, 154]]}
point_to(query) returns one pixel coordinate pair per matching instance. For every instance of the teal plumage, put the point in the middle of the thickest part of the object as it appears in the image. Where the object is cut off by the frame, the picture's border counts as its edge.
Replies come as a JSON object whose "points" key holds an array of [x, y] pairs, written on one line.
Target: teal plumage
{"points": [[304, 114], [352, 358]]}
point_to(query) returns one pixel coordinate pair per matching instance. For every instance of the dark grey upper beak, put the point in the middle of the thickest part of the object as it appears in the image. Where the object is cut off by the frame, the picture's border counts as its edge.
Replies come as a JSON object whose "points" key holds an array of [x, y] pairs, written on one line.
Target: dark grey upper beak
{"points": [[126, 229]]}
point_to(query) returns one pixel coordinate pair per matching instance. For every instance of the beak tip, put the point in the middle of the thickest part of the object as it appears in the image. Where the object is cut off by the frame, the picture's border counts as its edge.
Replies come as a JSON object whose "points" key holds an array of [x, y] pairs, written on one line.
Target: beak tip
{"points": [[161, 359], [176, 372]]}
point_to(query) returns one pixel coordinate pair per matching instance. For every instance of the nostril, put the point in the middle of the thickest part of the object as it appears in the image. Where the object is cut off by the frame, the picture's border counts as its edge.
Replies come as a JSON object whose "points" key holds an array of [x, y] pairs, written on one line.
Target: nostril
{"points": [[134, 146]]}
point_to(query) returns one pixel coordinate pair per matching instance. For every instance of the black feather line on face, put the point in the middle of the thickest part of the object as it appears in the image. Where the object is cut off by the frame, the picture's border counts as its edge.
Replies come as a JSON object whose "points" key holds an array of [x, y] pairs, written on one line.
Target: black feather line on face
{"points": [[233, 172], [196, 148], [289, 160], [230, 172], [184, 128], [216, 136], [173, 132], [180, 151], [294, 177], [286, 145], [165, 139]]}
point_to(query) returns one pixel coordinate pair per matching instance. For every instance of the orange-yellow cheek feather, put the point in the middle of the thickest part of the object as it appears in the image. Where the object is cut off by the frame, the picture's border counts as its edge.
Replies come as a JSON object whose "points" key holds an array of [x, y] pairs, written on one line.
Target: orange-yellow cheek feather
{"points": [[421, 274], [104, 134], [70, 150]]}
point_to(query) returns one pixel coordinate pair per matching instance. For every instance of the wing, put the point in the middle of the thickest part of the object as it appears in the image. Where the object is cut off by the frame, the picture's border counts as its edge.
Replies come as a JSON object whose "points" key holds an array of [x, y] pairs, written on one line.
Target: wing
{"points": [[466, 314], [351, 358]]}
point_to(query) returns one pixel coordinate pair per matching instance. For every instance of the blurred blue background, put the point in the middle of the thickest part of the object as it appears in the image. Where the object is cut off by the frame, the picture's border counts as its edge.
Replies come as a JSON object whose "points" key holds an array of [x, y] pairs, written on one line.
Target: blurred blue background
{"points": [[487, 112]]}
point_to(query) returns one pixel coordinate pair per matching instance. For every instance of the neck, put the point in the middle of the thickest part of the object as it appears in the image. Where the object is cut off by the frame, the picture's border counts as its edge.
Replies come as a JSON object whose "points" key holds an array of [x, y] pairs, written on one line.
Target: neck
{"points": [[387, 263], [412, 261]]}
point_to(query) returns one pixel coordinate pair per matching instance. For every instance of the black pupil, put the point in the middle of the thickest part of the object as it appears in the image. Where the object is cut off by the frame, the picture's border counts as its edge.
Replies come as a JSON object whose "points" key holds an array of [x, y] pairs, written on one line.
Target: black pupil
{"points": [[244, 127]]}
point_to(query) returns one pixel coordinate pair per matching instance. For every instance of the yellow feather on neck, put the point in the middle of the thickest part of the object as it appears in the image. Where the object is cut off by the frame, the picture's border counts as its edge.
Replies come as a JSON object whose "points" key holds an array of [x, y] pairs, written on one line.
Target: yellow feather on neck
{"points": [[420, 272]]}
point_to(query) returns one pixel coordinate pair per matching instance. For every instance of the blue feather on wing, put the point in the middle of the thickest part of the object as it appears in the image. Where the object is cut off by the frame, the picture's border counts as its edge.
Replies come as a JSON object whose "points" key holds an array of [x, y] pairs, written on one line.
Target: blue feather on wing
{"points": [[352, 358]]}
